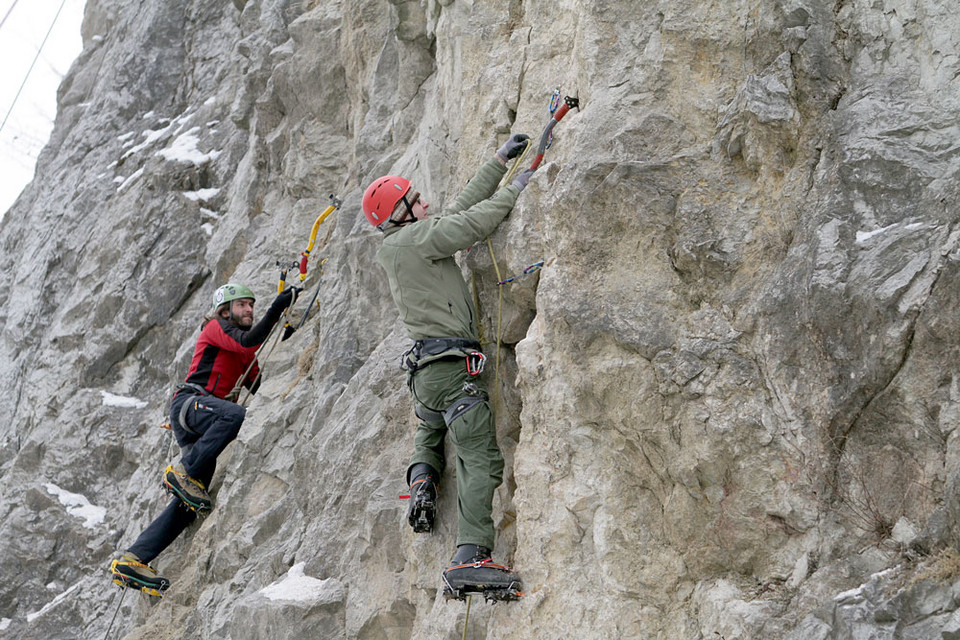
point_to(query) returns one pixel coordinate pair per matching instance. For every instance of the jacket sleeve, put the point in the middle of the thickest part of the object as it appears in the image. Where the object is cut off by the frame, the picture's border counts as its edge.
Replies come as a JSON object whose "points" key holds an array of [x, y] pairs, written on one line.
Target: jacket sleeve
{"points": [[233, 338], [255, 335], [480, 187], [443, 237]]}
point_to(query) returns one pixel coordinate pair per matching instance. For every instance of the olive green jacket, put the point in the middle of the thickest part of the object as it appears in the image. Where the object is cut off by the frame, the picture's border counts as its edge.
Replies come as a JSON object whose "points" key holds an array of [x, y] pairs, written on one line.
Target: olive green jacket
{"points": [[425, 281]]}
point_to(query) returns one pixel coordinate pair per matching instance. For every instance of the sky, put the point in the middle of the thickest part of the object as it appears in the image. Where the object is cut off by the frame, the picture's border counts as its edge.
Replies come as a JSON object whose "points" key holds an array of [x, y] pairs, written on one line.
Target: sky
{"points": [[23, 26]]}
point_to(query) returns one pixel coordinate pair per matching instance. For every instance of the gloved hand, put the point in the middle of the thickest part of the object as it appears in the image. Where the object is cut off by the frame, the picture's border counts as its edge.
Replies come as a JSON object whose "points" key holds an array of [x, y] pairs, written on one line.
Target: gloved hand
{"points": [[520, 182], [284, 300], [513, 147]]}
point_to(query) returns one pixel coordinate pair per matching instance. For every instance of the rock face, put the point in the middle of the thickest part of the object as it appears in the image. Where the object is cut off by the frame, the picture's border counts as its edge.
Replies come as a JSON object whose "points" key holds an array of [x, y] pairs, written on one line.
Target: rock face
{"points": [[728, 402]]}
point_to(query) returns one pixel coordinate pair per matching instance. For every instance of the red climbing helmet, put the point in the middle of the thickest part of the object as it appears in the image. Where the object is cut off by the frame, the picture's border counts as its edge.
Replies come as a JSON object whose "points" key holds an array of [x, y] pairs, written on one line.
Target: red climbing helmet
{"points": [[382, 196]]}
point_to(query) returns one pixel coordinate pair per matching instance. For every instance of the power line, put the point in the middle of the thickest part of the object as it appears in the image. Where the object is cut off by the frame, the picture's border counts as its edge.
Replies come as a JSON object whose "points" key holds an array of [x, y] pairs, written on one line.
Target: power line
{"points": [[8, 13], [27, 77]]}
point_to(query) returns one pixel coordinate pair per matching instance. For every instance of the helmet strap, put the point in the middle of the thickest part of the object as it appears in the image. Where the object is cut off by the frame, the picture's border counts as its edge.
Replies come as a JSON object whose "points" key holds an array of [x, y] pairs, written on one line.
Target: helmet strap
{"points": [[408, 217], [231, 317]]}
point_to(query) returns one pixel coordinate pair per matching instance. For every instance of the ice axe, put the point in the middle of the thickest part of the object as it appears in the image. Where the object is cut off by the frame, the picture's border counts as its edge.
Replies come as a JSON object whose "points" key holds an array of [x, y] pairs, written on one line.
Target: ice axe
{"points": [[568, 103], [288, 329]]}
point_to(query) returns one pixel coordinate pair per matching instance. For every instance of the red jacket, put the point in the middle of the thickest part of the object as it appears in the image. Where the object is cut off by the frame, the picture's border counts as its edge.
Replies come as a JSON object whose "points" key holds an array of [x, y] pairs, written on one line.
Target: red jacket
{"points": [[223, 353]]}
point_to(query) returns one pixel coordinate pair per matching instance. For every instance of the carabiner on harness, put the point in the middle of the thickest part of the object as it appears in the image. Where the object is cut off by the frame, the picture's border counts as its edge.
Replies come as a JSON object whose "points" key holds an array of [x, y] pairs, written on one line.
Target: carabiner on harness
{"points": [[475, 363]]}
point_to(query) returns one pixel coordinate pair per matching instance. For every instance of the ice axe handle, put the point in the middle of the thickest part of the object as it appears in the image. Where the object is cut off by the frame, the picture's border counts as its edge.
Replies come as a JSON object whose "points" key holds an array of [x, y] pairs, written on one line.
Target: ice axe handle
{"points": [[568, 103], [303, 266]]}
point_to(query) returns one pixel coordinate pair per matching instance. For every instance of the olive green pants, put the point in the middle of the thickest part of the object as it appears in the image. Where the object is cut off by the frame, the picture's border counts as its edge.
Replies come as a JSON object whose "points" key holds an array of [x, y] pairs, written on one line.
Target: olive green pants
{"points": [[479, 461]]}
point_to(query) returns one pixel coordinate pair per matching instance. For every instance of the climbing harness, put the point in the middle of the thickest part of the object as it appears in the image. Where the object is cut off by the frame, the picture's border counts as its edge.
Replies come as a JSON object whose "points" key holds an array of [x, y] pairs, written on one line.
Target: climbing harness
{"points": [[536, 266], [471, 398], [427, 351]]}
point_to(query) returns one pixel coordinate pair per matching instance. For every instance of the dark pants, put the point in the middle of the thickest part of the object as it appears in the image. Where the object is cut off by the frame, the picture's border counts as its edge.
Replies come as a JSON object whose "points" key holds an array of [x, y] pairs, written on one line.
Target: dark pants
{"points": [[212, 424]]}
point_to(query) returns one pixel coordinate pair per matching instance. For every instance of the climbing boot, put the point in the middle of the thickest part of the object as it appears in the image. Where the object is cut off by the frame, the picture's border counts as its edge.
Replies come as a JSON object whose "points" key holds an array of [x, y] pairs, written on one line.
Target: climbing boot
{"points": [[190, 491], [422, 510], [127, 571], [473, 571]]}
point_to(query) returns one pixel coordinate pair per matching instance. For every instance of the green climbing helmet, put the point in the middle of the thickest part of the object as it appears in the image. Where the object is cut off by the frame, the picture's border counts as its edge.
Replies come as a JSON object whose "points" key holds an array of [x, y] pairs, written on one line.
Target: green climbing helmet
{"points": [[230, 292]]}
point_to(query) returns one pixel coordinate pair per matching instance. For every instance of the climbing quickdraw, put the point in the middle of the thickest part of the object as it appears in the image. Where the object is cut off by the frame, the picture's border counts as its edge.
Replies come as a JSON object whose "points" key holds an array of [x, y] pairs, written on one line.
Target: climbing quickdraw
{"points": [[533, 268], [552, 107], [554, 101]]}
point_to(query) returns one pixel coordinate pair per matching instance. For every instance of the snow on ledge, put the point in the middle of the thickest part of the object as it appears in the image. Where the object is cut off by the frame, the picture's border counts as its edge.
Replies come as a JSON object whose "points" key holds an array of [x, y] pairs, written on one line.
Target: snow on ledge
{"points": [[186, 148], [50, 605], [113, 400], [201, 195], [78, 505], [297, 587]]}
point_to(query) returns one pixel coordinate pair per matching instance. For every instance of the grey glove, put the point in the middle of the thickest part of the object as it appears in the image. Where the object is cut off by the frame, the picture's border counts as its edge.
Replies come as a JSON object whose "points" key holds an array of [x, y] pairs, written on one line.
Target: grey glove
{"points": [[520, 182], [513, 147]]}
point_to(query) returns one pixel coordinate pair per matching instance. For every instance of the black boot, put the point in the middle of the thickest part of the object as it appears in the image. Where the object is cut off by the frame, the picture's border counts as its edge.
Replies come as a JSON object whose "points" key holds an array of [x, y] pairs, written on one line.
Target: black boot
{"points": [[422, 511], [473, 571]]}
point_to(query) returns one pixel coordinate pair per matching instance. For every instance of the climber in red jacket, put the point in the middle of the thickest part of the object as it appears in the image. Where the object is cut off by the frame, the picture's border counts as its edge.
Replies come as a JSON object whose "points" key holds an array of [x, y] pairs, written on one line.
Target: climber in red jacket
{"points": [[205, 418]]}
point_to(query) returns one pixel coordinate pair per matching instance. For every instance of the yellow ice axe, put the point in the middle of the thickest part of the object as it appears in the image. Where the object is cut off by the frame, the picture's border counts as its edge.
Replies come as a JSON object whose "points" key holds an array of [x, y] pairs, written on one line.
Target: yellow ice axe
{"points": [[335, 203]]}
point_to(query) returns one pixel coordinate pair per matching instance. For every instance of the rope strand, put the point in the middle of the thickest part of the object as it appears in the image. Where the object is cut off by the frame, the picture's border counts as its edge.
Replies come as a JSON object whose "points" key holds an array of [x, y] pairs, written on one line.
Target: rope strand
{"points": [[507, 179]]}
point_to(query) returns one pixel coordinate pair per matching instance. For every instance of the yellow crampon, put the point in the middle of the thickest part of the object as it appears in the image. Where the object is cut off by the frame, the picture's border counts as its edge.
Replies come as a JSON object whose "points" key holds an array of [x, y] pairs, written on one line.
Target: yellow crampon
{"points": [[131, 582], [192, 502]]}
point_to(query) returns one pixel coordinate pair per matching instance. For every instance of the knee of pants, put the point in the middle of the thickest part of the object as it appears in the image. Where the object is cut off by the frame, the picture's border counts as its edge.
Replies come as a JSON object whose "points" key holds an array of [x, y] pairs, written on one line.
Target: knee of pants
{"points": [[226, 416], [233, 413], [475, 431], [235, 421]]}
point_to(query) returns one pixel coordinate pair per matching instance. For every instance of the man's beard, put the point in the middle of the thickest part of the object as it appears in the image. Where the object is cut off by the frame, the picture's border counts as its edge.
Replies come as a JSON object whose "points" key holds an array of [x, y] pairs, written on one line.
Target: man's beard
{"points": [[243, 323]]}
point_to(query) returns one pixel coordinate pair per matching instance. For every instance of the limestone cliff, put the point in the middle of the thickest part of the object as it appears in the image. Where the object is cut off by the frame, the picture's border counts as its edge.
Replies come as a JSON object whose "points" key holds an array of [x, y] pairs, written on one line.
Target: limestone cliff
{"points": [[728, 402]]}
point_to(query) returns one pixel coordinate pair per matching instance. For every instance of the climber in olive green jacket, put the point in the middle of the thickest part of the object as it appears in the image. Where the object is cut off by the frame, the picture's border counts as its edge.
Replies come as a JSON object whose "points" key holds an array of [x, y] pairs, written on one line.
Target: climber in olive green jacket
{"points": [[438, 312]]}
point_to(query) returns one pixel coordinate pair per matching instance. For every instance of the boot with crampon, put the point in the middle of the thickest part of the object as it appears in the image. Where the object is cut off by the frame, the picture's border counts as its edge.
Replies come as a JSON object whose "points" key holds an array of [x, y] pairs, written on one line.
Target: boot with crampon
{"points": [[190, 491], [128, 571], [422, 510], [473, 571]]}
